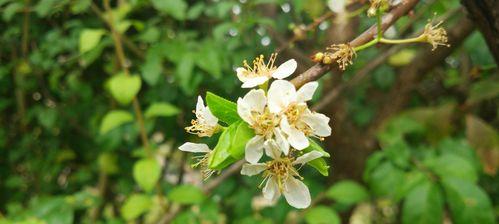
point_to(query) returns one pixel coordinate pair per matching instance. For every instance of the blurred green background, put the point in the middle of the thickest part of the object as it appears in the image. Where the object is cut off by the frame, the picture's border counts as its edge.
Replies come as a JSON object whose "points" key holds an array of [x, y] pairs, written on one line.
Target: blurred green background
{"points": [[70, 151]]}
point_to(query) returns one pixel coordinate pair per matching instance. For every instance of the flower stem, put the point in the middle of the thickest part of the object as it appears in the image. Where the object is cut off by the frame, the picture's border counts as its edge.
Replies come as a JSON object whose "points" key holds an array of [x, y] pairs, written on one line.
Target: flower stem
{"points": [[378, 23], [265, 86], [402, 41], [366, 45]]}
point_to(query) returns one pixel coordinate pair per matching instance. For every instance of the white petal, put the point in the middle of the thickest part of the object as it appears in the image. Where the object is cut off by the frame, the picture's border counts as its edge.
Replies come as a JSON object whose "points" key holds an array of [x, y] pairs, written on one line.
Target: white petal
{"points": [[253, 169], [272, 149], [254, 149], [194, 147], [285, 69], [199, 105], [240, 74], [307, 157], [252, 82], [281, 93], [210, 119], [306, 92], [296, 138], [281, 141], [271, 189], [256, 100], [319, 123], [337, 6], [296, 193], [244, 111]]}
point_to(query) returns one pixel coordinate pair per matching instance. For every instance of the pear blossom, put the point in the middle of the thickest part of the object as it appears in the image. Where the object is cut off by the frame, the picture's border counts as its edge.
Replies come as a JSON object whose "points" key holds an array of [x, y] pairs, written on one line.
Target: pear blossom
{"points": [[252, 108], [281, 177], [435, 35], [296, 120], [343, 54], [202, 160], [261, 72], [205, 124]]}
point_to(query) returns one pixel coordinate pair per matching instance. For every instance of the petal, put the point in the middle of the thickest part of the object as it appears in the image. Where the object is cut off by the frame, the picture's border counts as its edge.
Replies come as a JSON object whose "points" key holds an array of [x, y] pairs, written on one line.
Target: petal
{"points": [[307, 157], [271, 189], [194, 147], [252, 82], [240, 74], [272, 149], [281, 93], [281, 141], [306, 92], [337, 6], [199, 105], [296, 193], [256, 100], [254, 149], [253, 169], [296, 138], [210, 119], [285, 69], [244, 111], [318, 122]]}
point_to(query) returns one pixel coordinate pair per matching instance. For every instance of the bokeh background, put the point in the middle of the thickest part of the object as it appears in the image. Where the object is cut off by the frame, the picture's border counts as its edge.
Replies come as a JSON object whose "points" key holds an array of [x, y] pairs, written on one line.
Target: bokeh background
{"points": [[415, 131]]}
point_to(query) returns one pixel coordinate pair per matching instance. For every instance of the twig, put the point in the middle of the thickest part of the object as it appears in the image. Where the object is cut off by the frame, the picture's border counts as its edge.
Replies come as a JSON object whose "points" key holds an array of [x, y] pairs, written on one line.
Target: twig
{"points": [[318, 70]]}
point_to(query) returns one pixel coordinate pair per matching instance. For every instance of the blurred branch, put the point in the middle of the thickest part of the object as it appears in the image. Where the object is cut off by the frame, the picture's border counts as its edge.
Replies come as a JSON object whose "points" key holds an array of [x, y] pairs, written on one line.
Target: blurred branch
{"points": [[485, 15], [318, 70]]}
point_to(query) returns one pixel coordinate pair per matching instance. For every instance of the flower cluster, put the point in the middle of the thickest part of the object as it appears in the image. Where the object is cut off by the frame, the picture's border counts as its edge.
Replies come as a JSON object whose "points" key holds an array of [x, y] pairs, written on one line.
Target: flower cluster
{"points": [[281, 125], [435, 35], [342, 54]]}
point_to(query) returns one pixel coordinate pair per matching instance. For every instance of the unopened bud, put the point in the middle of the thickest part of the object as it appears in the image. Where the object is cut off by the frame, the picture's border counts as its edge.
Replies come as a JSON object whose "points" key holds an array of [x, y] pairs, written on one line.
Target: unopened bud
{"points": [[318, 57]]}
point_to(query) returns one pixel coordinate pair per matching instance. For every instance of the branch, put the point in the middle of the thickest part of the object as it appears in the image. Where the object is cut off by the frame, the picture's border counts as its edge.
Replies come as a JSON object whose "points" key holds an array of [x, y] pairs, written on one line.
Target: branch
{"points": [[318, 70]]}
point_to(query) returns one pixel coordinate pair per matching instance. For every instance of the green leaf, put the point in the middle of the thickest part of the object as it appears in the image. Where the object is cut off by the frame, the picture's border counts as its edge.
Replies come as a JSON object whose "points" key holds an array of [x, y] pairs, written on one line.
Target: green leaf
{"points": [[89, 39], [147, 173], [386, 180], [135, 205], [209, 59], [124, 87], [152, 68], [114, 119], [223, 109], [45, 6], [451, 165], [424, 204], [175, 8], [231, 145], [186, 194], [347, 192], [468, 203], [322, 215], [108, 163], [319, 164], [402, 58], [161, 110]]}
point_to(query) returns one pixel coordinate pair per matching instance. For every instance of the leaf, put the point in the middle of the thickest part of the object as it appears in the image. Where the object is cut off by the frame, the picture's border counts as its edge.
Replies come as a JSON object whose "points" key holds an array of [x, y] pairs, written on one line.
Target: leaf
{"points": [[186, 194], [221, 155], [147, 173], [152, 68], [485, 139], [124, 87], [223, 109], [386, 180], [209, 59], [108, 163], [468, 203], [402, 58], [483, 90], [45, 6], [135, 205], [89, 39], [175, 8], [184, 71], [347, 192], [322, 215], [114, 119], [161, 110], [424, 204], [451, 165], [241, 134], [319, 164]]}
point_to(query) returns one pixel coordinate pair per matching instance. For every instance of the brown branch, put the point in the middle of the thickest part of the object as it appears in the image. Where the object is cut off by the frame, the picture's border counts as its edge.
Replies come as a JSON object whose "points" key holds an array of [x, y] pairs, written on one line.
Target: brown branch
{"points": [[485, 15], [318, 70]]}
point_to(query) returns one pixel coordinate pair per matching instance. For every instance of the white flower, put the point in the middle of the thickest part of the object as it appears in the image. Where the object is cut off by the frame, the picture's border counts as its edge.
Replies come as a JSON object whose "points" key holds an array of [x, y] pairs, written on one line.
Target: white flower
{"points": [[205, 124], [297, 121], [281, 176], [202, 161], [261, 72], [253, 110], [337, 6]]}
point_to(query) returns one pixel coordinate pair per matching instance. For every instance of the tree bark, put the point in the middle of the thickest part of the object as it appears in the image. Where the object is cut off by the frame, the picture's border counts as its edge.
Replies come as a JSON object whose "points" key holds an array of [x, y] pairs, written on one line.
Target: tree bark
{"points": [[485, 15]]}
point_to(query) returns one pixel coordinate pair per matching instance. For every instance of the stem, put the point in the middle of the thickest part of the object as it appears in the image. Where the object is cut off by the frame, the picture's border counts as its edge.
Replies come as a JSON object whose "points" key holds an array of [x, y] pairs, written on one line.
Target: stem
{"points": [[358, 11], [402, 41], [378, 25], [366, 45], [120, 54], [265, 86]]}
